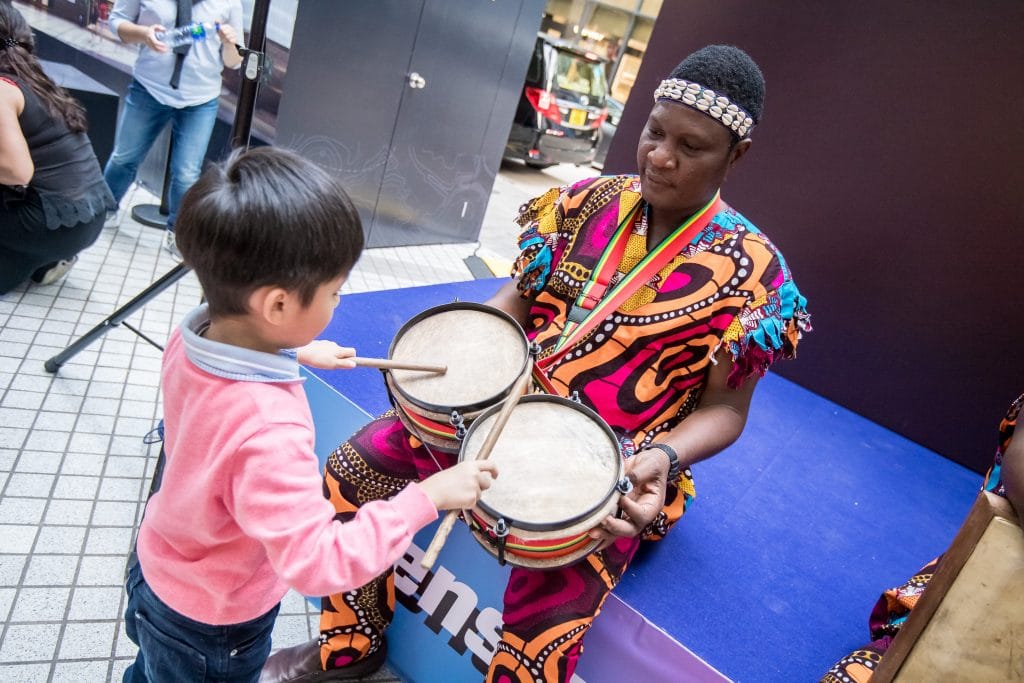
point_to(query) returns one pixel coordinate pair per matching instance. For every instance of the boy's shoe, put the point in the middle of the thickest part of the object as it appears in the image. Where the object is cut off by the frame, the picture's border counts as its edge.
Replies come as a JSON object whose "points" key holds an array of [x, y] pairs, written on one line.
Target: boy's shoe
{"points": [[301, 664], [171, 246], [52, 272]]}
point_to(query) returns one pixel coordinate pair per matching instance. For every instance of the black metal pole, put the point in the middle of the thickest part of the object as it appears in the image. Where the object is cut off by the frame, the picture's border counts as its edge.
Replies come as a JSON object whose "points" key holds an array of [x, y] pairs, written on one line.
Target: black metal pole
{"points": [[155, 215], [252, 68], [252, 63]]}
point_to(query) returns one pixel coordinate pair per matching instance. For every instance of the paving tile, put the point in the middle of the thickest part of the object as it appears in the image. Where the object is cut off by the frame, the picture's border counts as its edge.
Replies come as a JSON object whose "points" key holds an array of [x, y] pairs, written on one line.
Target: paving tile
{"points": [[101, 570], [23, 673], [109, 513], [11, 567], [29, 643], [38, 462], [109, 541], [51, 570], [83, 463], [77, 672], [88, 640], [21, 510], [18, 538], [71, 512], [90, 603], [60, 539], [76, 487], [40, 604]]}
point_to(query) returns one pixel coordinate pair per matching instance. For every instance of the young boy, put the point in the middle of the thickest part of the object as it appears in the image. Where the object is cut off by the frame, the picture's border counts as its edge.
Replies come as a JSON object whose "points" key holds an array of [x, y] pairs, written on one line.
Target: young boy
{"points": [[240, 515]]}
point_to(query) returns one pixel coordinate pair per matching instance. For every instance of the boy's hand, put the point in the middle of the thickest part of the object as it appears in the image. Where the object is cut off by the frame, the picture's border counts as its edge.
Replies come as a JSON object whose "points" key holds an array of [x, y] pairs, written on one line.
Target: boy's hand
{"points": [[326, 355], [459, 487]]}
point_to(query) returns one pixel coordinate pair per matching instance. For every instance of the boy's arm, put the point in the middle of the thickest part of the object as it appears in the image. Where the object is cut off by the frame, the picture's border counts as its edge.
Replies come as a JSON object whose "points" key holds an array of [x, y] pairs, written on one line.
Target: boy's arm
{"points": [[277, 498]]}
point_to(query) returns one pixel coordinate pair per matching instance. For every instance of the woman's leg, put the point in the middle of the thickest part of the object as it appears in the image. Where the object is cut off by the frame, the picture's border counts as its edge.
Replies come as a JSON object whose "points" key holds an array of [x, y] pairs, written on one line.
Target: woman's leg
{"points": [[26, 245], [190, 136], [142, 119], [377, 462], [547, 613]]}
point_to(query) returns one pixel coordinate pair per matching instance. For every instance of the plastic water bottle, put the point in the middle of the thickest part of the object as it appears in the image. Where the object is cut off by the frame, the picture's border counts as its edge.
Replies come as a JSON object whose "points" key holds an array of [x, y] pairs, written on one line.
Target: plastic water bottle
{"points": [[192, 33]]}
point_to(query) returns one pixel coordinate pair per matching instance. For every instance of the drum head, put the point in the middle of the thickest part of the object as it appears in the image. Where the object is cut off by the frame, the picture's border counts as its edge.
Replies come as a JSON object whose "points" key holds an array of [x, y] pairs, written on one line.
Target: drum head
{"points": [[484, 349], [558, 463]]}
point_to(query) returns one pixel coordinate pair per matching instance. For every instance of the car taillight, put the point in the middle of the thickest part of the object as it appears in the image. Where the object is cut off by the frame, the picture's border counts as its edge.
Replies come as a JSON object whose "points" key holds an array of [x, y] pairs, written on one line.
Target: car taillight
{"points": [[543, 102]]}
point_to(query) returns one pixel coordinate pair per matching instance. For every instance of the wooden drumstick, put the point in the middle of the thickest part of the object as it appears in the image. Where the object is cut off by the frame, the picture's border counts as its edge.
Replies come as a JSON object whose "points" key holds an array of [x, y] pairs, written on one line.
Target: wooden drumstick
{"points": [[388, 364], [445, 528]]}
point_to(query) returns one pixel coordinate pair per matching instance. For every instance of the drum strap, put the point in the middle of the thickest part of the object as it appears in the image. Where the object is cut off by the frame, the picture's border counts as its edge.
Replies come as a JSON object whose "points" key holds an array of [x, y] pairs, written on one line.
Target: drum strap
{"points": [[595, 303]]}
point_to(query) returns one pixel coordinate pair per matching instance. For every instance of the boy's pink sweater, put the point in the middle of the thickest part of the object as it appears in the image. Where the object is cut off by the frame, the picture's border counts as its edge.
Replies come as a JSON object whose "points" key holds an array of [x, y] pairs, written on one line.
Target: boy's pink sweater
{"points": [[240, 515]]}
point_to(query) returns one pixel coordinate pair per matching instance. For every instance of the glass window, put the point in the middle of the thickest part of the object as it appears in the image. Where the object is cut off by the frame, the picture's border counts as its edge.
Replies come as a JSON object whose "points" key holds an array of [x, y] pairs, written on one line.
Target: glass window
{"points": [[580, 76], [650, 7]]}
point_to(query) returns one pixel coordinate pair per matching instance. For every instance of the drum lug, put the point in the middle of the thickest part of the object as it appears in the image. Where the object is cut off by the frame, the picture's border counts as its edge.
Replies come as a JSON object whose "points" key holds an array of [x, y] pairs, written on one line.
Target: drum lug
{"points": [[500, 532], [624, 486], [534, 349], [575, 397]]}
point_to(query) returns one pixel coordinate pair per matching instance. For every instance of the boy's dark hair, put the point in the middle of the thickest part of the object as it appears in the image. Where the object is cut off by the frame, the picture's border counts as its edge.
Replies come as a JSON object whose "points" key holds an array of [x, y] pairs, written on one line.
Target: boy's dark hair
{"points": [[727, 70], [266, 216]]}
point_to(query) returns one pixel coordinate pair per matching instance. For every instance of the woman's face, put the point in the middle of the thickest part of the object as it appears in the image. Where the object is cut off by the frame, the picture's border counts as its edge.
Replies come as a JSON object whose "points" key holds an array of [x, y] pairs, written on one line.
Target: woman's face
{"points": [[683, 158]]}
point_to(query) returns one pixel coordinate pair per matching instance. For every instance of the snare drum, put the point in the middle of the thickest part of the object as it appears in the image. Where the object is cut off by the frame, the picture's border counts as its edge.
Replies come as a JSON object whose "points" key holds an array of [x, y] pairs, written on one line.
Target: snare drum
{"points": [[485, 351], [560, 473]]}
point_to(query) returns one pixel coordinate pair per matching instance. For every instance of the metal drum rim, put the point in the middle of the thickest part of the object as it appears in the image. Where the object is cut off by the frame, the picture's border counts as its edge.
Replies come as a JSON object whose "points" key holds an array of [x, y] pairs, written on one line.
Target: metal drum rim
{"points": [[559, 524], [454, 306]]}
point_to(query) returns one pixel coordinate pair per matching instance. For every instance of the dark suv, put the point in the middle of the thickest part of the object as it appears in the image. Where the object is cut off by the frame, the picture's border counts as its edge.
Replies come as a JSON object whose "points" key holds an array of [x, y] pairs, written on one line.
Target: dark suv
{"points": [[561, 107]]}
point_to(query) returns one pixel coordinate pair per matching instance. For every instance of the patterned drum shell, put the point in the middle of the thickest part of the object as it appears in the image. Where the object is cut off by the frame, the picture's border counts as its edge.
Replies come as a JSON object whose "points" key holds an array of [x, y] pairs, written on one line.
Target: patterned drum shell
{"points": [[559, 465], [485, 351]]}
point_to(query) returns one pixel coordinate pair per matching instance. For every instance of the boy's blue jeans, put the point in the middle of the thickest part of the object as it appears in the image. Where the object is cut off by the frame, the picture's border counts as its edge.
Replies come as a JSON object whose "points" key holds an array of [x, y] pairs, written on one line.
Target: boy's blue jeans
{"points": [[142, 119], [174, 648]]}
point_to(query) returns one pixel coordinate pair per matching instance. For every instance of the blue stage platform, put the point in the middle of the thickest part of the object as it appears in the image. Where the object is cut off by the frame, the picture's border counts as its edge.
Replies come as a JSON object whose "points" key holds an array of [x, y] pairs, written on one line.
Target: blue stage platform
{"points": [[795, 530]]}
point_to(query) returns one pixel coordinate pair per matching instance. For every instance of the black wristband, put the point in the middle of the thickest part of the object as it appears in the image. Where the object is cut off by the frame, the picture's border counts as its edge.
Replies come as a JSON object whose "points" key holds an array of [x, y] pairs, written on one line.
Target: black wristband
{"points": [[674, 468]]}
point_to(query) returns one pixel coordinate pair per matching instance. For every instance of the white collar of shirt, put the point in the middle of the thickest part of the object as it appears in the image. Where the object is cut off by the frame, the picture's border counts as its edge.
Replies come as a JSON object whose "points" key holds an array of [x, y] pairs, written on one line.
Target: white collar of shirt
{"points": [[234, 362]]}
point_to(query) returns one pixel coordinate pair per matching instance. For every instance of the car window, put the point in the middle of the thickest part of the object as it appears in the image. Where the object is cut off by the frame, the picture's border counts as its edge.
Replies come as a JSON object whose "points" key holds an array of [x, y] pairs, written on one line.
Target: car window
{"points": [[577, 75]]}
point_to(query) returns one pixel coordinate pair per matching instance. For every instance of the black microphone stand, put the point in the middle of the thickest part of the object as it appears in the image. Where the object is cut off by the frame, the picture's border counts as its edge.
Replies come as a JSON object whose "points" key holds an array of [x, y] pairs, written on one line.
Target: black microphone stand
{"points": [[253, 61]]}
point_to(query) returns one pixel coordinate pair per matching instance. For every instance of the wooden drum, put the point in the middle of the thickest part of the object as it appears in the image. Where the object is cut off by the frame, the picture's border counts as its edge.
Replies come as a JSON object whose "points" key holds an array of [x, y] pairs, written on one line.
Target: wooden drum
{"points": [[560, 473], [485, 351]]}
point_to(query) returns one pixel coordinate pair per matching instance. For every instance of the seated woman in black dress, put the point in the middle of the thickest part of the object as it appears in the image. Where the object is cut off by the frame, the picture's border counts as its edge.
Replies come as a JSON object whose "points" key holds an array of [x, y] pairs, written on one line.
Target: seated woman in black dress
{"points": [[53, 200]]}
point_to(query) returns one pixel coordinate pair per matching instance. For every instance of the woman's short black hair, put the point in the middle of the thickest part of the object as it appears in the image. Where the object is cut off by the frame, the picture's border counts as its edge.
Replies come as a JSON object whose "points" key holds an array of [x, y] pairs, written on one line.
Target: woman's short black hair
{"points": [[266, 216], [729, 71]]}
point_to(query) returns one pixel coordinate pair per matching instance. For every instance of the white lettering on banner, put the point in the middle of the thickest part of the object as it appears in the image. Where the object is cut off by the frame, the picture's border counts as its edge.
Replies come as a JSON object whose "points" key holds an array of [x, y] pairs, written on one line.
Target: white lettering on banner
{"points": [[448, 604]]}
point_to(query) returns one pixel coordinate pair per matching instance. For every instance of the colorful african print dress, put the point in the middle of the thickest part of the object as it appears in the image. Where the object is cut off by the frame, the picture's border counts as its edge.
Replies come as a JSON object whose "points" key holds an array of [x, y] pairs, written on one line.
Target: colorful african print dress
{"points": [[894, 605], [720, 285], [643, 367]]}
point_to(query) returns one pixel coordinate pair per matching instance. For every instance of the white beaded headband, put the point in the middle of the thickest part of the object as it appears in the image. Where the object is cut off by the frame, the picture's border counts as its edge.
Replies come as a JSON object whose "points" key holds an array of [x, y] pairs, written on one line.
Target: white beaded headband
{"points": [[707, 101]]}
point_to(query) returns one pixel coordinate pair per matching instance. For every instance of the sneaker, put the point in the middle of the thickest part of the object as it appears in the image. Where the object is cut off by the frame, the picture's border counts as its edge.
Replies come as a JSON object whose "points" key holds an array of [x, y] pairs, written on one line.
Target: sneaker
{"points": [[49, 274], [171, 246]]}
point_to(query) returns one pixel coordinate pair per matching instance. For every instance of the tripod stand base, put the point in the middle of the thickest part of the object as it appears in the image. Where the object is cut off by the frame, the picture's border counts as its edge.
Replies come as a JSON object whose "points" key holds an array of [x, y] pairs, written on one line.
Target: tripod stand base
{"points": [[149, 214]]}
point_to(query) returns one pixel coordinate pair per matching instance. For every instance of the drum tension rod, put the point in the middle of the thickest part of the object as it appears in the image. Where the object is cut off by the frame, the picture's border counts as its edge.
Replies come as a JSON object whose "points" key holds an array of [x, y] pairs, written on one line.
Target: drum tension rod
{"points": [[501, 533]]}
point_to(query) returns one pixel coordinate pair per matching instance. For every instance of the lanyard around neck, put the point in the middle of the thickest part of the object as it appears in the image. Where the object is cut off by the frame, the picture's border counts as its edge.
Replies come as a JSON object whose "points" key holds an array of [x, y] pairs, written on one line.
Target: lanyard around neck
{"points": [[593, 305]]}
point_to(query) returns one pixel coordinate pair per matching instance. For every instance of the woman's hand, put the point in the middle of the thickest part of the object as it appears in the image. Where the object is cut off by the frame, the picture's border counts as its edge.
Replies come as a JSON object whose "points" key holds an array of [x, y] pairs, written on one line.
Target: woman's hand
{"points": [[227, 34], [648, 470], [326, 355], [150, 40], [229, 46]]}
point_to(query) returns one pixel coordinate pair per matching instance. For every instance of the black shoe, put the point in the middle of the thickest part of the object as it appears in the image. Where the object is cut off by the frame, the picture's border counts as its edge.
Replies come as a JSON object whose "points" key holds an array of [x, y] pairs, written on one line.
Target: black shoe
{"points": [[301, 664]]}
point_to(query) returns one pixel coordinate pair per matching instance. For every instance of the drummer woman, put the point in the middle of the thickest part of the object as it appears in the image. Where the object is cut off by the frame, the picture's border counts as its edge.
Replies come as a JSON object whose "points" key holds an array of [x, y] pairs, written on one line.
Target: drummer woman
{"points": [[661, 306]]}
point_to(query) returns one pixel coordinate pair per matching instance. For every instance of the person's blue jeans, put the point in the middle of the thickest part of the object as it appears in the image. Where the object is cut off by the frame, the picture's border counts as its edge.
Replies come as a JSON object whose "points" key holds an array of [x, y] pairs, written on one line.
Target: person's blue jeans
{"points": [[142, 119], [176, 649]]}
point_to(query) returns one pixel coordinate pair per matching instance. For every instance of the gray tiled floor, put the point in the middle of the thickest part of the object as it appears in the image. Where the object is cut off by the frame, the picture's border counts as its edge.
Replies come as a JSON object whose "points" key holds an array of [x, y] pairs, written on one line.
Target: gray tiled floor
{"points": [[74, 466]]}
